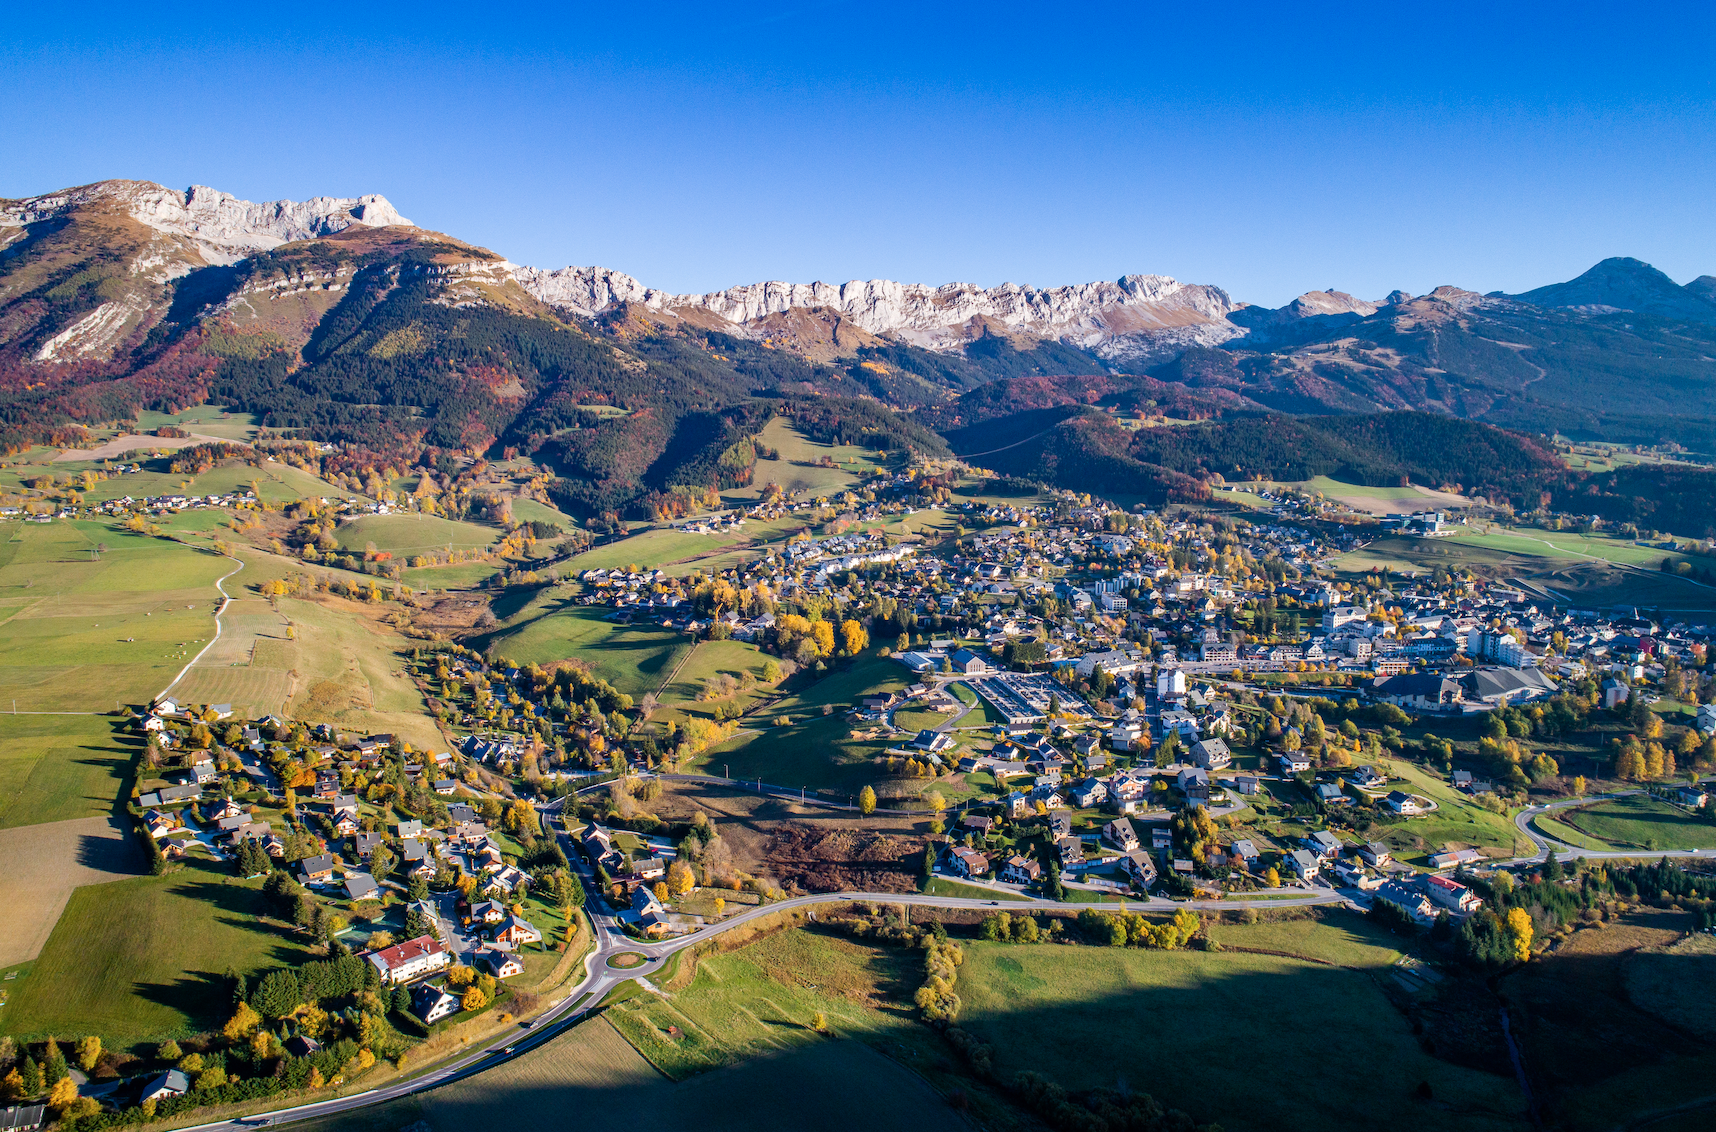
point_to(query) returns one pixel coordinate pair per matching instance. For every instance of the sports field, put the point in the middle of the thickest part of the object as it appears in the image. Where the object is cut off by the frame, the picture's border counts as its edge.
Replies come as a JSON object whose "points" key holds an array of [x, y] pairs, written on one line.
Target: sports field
{"points": [[405, 535], [1173, 1023], [83, 628], [633, 658], [142, 960], [1642, 822]]}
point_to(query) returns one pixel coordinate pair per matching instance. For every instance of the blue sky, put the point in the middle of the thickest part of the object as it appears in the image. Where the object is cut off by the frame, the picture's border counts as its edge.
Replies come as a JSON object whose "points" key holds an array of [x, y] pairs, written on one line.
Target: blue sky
{"points": [[1269, 149]]}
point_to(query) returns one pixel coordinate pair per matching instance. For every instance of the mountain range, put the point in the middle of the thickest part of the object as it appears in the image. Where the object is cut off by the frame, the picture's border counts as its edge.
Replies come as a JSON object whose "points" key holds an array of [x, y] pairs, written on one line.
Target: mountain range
{"points": [[340, 318]]}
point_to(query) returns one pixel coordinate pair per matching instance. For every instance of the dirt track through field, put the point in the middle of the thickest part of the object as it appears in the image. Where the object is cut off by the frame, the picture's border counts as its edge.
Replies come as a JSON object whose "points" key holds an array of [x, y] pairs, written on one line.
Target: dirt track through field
{"points": [[43, 864]]}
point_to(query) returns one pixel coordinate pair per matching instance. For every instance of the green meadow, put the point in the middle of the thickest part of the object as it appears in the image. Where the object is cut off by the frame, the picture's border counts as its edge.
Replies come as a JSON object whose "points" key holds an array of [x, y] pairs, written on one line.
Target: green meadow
{"points": [[139, 961], [1642, 822], [83, 628], [413, 533], [60, 767], [636, 659]]}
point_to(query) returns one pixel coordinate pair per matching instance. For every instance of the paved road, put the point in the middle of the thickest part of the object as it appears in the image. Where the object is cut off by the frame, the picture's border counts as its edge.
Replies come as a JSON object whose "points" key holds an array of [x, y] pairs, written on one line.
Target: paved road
{"points": [[600, 979], [1564, 851]]}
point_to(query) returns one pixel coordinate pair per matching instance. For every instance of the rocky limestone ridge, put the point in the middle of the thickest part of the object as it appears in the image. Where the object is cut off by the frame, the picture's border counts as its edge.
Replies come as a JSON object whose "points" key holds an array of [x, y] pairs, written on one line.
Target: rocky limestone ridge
{"points": [[222, 228], [1133, 317]]}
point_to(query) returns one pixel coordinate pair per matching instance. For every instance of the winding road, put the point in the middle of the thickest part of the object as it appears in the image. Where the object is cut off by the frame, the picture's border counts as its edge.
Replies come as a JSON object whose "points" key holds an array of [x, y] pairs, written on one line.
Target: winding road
{"points": [[225, 600], [1564, 851], [600, 979]]}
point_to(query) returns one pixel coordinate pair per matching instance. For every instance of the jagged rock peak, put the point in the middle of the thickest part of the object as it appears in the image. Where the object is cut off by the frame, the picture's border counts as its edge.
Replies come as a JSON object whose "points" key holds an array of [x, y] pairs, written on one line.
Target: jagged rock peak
{"points": [[1125, 317], [222, 227]]}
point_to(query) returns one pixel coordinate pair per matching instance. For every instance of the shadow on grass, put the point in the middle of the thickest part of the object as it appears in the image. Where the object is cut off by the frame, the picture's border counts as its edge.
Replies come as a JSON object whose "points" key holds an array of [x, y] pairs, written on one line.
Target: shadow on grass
{"points": [[117, 852], [203, 997]]}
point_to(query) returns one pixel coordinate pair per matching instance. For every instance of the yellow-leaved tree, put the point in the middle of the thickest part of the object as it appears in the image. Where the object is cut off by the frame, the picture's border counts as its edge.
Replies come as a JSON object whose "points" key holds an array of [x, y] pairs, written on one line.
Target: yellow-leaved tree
{"points": [[854, 637], [1519, 927]]}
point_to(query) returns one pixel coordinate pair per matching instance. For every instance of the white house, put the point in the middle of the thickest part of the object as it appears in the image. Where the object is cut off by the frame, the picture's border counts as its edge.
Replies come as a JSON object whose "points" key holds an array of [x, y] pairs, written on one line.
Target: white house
{"points": [[410, 960], [1451, 894], [1405, 804], [1305, 866], [432, 1004]]}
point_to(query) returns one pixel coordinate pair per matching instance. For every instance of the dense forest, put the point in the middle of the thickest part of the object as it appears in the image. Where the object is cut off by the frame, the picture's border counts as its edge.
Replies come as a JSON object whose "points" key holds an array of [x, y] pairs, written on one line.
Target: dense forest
{"points": [[1380, 449]]}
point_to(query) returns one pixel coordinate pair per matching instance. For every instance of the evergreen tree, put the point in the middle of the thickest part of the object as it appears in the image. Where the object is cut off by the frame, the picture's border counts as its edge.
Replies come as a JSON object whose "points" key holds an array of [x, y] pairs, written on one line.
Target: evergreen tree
{"points": [[32, 1075], [53, 1063]]}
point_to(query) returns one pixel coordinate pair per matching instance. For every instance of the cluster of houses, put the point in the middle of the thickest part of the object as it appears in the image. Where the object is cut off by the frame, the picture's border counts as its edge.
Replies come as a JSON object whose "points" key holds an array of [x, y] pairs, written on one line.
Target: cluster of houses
{"points": [[636, 871]]}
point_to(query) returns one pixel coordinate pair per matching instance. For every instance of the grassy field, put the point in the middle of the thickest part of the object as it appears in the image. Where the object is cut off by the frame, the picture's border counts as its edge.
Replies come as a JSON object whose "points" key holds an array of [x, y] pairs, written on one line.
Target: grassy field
{"points": [[941, 886], [203, 420], [1563, 832], [81, 631], [273, 482], [1168, 1023], [760, 1000], [591, 1078], [1676, 983], [1593, 571], [1457, 820], [711, 659], [45, 864], [405, 535], [680, 552], [1173, 1023], [531, 510], [650, 549], [459, 576], [1642, 822], [142, 960], [853, 465], [59, 767], [1615, 1025], [351, 672], [635, 659], [815, 749]]}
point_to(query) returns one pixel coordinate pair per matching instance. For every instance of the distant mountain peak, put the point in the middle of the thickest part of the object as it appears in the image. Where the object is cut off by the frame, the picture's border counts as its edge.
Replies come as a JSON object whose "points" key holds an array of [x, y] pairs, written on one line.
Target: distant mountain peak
{"points": [[222, 228], [1621, 283], [1704, 287]]}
